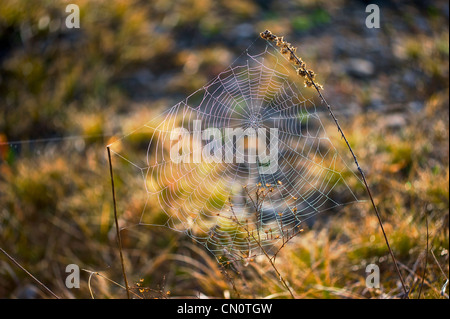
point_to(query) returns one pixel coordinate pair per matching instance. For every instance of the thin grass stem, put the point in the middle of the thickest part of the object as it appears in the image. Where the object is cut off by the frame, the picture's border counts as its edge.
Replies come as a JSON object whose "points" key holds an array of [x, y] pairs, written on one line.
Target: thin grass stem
{"points": [[269, 36], [119, 239]]}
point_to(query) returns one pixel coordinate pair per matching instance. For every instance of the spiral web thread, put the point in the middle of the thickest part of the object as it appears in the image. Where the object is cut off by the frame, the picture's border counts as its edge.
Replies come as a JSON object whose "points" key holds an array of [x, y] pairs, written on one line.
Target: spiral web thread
{"points": [[233, 209]]}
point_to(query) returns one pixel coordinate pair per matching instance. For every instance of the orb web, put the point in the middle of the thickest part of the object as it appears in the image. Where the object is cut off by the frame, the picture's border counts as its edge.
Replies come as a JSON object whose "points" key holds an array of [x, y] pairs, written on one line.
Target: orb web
{"points": [[236, 208]]}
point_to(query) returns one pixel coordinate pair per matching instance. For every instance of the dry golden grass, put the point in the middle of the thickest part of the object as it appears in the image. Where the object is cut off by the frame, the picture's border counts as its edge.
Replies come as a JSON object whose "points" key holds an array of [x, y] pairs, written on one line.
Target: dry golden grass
{"points": [[131, 58]]}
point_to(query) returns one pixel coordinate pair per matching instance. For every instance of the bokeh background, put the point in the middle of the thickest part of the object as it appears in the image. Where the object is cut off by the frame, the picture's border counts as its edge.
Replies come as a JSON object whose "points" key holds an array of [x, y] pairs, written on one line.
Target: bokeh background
{"points": [[67, 93]]}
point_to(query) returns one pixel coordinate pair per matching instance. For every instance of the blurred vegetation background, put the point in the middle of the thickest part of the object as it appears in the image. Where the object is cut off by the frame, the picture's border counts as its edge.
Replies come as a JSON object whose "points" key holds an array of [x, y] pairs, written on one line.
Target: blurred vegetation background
{"points": [[66, 93]]}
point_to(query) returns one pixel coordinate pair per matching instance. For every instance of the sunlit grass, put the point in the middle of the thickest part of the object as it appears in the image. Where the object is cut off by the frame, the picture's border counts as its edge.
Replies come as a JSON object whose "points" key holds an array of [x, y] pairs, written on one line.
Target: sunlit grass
{"points": [[132, 58]]}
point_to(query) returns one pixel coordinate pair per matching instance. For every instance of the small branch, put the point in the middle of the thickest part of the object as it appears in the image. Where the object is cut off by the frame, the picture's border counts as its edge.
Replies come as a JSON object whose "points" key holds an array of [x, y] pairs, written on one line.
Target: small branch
{"points": [[258, 242], [294, 233], [230, 280]]}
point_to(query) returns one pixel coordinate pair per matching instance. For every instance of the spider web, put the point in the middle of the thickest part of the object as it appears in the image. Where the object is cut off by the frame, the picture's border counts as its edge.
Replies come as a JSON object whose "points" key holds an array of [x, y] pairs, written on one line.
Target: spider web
{"points": [[236, 208]]}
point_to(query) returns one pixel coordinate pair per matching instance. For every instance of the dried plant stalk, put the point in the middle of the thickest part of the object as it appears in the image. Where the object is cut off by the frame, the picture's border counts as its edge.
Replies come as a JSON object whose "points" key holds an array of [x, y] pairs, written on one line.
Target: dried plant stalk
{"points": [[309, 75]]}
